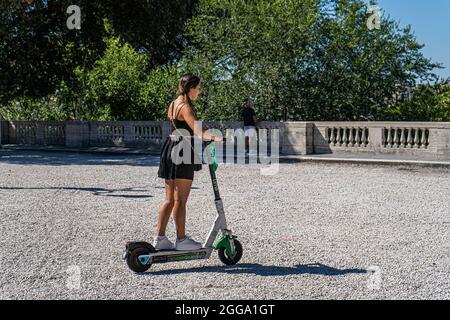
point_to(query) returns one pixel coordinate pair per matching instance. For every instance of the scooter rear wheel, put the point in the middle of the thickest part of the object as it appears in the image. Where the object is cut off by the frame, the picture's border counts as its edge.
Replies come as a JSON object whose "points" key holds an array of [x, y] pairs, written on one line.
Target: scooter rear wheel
{"points": [[235, 258], [133, 261]]}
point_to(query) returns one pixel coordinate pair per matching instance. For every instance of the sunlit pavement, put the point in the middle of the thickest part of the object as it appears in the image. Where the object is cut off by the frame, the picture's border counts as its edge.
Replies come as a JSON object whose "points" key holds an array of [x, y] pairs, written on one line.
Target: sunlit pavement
{"points": [[310, 230]]}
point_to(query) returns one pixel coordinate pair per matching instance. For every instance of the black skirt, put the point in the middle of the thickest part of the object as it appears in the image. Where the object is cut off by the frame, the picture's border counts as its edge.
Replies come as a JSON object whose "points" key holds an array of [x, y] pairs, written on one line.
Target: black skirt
{"points": [[169, 170]]}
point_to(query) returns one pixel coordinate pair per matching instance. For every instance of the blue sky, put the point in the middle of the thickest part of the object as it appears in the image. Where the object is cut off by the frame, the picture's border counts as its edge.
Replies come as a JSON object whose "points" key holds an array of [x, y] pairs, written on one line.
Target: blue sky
{"points": [[430, 20]]}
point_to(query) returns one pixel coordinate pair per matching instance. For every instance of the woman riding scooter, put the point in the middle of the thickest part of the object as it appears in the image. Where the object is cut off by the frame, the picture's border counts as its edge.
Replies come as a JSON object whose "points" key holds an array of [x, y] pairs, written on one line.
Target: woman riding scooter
{"points": [[179, 177]]}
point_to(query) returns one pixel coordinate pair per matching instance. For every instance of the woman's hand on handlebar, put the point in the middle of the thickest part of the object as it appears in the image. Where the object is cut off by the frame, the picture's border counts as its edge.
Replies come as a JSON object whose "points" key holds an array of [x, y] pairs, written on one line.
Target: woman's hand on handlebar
{"points": [[208, 136]]}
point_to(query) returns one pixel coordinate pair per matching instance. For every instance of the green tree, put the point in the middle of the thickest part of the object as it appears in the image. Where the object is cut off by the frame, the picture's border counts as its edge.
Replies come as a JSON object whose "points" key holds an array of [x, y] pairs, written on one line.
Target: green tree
{"points": [[428, 103], [247, 49], [154, 27], [157, 92], [114, 83], [121, 86], [301, 60], [38, 51], [356, 72]]}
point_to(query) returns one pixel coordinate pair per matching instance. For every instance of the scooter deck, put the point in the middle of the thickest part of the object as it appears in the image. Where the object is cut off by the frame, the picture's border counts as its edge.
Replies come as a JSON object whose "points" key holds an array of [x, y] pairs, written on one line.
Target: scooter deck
{"points": [[173, 252], [162, 256]]}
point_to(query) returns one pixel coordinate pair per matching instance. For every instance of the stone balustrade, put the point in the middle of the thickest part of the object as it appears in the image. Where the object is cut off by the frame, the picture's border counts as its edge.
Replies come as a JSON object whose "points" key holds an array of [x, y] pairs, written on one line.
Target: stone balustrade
{"points": [[418, 139], [421, 139]]}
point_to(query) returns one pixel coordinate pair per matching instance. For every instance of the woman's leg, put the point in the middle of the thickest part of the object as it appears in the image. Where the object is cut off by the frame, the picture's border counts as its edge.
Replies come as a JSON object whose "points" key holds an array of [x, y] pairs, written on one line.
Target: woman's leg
{"points": [[181, 194], [166, 208]]}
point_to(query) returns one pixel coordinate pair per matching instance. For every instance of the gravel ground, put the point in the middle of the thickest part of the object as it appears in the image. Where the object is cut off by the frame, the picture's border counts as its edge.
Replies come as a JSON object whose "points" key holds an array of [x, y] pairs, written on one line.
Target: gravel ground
{"points": [[312, 231]]}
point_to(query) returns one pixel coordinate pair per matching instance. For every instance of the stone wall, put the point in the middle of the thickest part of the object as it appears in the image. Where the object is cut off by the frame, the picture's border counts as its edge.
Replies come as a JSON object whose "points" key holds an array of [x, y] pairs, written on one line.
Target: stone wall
{"points": [[417, 139], [428, 140]]}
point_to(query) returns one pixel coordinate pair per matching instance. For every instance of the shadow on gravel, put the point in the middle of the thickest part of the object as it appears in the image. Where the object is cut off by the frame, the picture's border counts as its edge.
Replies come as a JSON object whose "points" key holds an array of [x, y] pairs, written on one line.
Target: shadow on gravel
{"points": [[55, 158], [95, 191], [163, 187], [64, 158], [260, 270]]}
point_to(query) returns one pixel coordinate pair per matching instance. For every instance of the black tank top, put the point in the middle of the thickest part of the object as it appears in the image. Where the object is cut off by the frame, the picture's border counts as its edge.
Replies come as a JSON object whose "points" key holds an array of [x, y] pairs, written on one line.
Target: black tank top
{"points": [[180, 124]]}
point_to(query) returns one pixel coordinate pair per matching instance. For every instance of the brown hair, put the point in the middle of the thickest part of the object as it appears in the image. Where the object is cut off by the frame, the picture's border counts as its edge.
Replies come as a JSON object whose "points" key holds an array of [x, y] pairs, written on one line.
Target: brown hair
{"points": [[249, 103], [186, 83]]}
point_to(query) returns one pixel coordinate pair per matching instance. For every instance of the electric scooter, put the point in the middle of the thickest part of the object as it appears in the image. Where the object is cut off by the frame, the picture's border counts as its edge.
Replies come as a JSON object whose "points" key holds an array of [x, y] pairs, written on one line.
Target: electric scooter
{"points": [[141, 255]]}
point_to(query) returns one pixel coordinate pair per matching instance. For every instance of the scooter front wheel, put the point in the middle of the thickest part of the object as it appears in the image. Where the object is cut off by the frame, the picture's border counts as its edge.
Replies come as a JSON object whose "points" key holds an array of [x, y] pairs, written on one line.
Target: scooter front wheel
{"points": [[133, 261], [235, 258]]}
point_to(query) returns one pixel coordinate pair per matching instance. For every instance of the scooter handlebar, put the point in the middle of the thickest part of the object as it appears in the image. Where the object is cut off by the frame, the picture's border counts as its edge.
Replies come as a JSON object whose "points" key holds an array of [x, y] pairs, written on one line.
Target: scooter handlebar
{"points": [[208, 142]]}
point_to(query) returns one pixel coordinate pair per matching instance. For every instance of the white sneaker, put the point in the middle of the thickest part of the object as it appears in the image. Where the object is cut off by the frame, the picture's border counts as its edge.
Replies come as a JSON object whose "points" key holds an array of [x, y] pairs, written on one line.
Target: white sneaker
{"points": [[187, 244], [163, 243]]}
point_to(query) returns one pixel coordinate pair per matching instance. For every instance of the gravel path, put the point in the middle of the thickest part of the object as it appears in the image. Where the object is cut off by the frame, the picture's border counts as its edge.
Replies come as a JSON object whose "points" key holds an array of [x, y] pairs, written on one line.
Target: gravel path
{"points": [[312, 231]]}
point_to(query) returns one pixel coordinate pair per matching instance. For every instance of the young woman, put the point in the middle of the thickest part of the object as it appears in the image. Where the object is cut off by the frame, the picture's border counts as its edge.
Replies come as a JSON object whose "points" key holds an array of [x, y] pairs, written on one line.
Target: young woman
{"points": [[179, 177]]}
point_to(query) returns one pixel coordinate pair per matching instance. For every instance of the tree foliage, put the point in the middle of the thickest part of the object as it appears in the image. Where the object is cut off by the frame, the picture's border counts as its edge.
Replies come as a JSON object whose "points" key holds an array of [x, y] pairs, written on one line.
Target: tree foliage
{"points": [[38, 51], [302, 60], [299, 60], [427, 103]]}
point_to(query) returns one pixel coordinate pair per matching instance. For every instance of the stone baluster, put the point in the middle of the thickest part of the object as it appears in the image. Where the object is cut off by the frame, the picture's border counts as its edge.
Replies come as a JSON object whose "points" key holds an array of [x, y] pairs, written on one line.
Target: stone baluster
{"points": [[416, 142], [364, 137], [345, 137], [116, 133], [389, 138], [358, 137], [396, 138], [352, 137], [403, 138], [104, 132], [129, 133], [340, 136], [99, 132], [409, 140], [424, 138]]}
